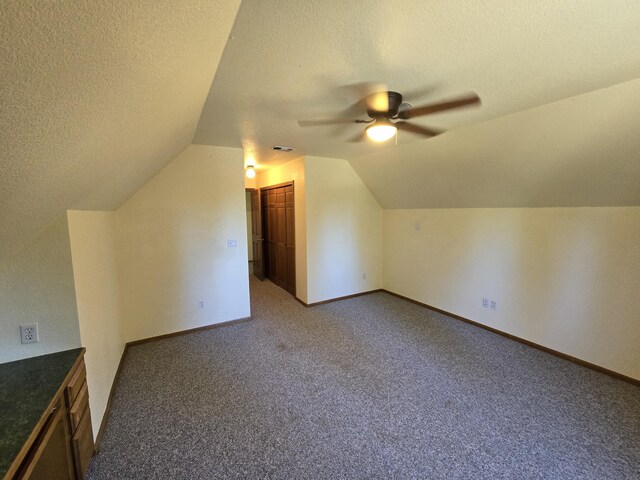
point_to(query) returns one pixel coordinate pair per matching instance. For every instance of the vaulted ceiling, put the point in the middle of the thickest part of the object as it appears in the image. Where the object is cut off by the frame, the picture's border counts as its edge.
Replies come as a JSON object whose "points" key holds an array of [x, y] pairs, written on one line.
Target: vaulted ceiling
{"points": [[96, 97], [287, 61], [577, 152]]}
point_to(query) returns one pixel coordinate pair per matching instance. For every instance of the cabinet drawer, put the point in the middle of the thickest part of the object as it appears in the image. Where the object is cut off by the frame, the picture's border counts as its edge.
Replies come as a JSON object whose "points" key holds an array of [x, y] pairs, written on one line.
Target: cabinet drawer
{"points": [[79, 406], [75, 384], [83, 444]]}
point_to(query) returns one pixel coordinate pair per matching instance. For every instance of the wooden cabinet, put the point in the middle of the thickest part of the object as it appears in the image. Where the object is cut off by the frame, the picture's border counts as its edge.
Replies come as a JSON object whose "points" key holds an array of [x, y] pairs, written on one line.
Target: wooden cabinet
{"points": [[78, 407], [51, 457], [77, 401], [82, 444], [61, 445]]}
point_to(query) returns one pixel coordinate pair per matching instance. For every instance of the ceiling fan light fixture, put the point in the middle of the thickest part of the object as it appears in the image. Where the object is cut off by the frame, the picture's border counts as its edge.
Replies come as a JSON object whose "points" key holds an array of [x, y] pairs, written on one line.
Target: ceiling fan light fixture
{"points": [[381, 131], [250, 172]]}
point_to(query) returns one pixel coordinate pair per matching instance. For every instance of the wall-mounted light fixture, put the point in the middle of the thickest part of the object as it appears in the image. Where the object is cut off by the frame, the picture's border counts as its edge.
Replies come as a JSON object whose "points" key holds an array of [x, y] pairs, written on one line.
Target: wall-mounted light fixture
{"points": [[250, 172]]}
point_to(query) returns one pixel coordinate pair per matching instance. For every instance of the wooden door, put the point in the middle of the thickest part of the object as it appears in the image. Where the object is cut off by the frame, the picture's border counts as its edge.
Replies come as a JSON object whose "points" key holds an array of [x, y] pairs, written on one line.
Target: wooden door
{"points": [[290, 241], [257, 238], [279, 231]]}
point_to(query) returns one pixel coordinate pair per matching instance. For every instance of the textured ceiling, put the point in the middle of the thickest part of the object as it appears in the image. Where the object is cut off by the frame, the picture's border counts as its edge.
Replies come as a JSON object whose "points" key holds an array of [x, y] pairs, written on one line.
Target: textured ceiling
{"points": [[581, 151], [96, 97], [290, 60]]}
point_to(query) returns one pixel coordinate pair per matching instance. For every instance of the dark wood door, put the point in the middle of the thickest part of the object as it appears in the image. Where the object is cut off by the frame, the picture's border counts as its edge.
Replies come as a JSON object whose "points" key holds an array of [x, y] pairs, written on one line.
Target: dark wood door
{"points": [[257, 238], [279, 230]]}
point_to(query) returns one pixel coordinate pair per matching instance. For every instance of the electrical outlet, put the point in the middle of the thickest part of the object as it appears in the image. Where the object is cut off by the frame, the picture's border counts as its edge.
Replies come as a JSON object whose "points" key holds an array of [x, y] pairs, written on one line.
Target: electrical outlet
{"points": [[485, 302], [231, 243], [364, 276], [29, 333], [493, 305], [200, 304]]}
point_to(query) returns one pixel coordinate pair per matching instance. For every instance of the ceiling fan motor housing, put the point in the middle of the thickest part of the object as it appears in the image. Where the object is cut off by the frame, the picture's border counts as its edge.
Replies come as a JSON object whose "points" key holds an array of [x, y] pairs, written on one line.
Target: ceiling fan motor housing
{"points": [[394, 102]]}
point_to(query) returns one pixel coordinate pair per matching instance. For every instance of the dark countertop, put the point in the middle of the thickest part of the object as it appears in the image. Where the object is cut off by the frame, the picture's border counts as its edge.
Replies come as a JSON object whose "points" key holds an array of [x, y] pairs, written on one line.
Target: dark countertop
{"points": [[27, 387]]}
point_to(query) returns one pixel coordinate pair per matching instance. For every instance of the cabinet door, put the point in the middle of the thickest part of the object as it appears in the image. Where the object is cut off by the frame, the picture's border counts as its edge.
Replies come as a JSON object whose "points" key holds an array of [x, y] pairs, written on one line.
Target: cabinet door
{"points": [[52, 458], [83, 448]]}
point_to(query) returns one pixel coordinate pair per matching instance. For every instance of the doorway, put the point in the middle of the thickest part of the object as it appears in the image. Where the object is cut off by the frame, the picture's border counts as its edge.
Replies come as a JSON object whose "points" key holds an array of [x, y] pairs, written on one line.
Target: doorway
{"points": [[249, 205], [273, 235]]}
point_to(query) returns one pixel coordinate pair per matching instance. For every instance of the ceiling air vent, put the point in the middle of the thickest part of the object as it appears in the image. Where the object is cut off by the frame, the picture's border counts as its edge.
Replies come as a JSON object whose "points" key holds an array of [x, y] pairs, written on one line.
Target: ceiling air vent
{"points": [[280, 148]]}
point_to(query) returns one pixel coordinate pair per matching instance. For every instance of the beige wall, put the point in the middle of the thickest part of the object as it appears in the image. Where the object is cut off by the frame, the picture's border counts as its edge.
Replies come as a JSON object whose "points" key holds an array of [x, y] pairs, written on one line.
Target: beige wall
{"points": [[338, 228], [93, 249], [142, 271], [250, 182], [172, 246], [344, 231], [565, 278], [36, 285], [293, 171]]}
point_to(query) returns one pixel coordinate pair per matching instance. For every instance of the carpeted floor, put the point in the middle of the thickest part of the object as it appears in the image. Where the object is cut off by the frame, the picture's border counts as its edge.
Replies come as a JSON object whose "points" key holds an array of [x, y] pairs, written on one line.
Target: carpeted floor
{"points": [[371, 387]]}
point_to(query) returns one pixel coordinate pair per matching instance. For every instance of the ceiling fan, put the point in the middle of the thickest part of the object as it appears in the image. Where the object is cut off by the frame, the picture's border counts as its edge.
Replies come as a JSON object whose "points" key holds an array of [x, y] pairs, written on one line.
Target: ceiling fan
{"points": [[388, 114]]}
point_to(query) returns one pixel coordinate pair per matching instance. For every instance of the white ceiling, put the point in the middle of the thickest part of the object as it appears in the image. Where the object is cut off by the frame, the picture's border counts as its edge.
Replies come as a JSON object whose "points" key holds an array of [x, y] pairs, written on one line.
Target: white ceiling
{"points": [[291, 60], [96, 97], [581, 151]]}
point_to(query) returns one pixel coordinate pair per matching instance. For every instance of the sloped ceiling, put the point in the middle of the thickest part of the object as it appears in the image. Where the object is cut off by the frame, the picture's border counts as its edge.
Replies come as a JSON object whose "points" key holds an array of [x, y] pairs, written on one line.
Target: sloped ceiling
{"points": [[581, 151], [287, 61], [96, 97]]}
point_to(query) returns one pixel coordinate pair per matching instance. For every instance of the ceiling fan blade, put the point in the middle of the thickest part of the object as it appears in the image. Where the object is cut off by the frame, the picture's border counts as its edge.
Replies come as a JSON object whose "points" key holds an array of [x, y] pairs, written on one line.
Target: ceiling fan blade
{"points": [[353, 111], [333, 121], [413, 128], [468, 100], [420, 92], [363, 89], [360, 137]]}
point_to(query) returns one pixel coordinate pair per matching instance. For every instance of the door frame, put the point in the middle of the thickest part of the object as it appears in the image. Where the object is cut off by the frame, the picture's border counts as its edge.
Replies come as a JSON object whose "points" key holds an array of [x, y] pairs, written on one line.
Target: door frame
{"points": [[260, 272], [278, 185]]}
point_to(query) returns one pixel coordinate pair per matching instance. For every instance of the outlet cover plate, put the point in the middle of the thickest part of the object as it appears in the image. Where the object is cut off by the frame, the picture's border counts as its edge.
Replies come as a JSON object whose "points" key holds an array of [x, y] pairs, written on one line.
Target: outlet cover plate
{"points": [[29, 333]]}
